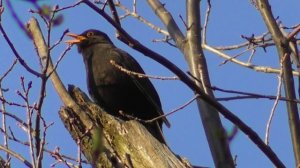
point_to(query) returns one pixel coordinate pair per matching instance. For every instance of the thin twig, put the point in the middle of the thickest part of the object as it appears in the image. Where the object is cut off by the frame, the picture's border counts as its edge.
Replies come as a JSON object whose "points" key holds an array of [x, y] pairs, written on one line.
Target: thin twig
{"points": [[250, 95], [29, 113], [265, 69], [206, 20], [142, 19], [175, 110], [20, 59], [140, 75], [59, 60], [56, 154], [261, 39], [134, 4], [253, 51], [8, 70], [60, 39], [16, 18], [294, 32], [3, 108], [79, 155], [278, 95], [67, 7], [166, 39], [16, 155], [13, 138]]}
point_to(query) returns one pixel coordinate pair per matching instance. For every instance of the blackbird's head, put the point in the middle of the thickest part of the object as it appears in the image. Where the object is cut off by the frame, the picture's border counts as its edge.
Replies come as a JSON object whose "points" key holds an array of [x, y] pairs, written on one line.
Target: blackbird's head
{"points": [[88, 38]]}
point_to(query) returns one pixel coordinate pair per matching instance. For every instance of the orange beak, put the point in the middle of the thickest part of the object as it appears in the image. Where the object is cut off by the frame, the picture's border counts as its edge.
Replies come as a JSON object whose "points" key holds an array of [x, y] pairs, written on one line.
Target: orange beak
{"points": [[77, 39]]}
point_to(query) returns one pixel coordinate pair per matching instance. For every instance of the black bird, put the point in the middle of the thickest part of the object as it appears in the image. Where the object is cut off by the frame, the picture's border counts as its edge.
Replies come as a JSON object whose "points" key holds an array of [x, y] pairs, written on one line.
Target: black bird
{"points": [[113, 89]]}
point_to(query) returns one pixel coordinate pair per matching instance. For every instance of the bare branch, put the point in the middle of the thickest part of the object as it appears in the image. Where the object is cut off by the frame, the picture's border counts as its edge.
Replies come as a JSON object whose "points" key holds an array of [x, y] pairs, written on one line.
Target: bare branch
{"points": [[42, 48], [142, 19], [3, 108], [282, 45], [176, 109], [140, 75], [264, 69], [215, 134], [16, 155], [167, 19], [20, 59], [267, 136], [206, 22]]}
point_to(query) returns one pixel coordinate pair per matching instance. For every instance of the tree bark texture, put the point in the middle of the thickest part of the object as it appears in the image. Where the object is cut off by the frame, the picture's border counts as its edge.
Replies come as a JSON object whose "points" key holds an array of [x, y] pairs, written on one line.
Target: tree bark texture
{"points": [[107, 141]]}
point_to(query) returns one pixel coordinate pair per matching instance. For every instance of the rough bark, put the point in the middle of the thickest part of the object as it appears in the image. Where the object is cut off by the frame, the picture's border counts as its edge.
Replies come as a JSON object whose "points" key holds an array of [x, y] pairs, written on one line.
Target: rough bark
{"points": [[3, 163], [107, 141]]}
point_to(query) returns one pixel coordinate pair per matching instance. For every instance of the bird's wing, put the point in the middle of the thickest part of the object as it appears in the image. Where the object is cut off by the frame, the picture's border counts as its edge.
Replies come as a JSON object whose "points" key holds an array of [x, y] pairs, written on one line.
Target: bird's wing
{"points": [[142, 84]]}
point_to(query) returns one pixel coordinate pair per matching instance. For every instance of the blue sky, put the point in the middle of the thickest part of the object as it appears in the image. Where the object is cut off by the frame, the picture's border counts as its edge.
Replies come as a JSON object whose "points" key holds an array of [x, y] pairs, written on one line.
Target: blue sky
{"points": [[229, 20]]}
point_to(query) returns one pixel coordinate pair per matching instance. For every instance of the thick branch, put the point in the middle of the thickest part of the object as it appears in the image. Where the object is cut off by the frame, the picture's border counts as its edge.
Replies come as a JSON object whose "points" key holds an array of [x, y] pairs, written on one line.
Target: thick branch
{"points": [[42, 49], [194, 55], [282, 45], [16, 155], [110, 142], [169, 22]]}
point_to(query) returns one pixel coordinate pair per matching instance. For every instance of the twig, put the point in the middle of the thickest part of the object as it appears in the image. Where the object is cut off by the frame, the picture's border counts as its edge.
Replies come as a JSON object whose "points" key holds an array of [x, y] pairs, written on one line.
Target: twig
{"points": [[59, 59], [206, 20], [140, 75], [60, 39], [16, 18], [79, 155], [65, 157], [267, 136], [250, 95], [229, 98], [258, 39], [294, 32], [184, 23], [253, 51], [134, 4], [16, 155], [264, 69], [13, 138], [8, 70], [20, 59], [175, 110], [67, 7], [13, 103], [167, 40], [29, 113], [134, 14], [56, 154], [3, 108]]}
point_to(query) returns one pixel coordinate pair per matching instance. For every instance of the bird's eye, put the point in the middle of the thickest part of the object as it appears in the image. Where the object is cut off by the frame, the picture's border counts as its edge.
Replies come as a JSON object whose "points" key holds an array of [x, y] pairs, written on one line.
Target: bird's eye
{"points": [[89, 34]]}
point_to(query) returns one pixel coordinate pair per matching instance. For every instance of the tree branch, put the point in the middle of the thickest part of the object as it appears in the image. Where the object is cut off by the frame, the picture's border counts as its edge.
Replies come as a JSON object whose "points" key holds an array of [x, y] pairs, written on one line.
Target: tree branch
{"points": [[215, 134], [110, 142], [191, 84], [282, 45], [41, 46]]}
